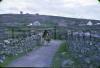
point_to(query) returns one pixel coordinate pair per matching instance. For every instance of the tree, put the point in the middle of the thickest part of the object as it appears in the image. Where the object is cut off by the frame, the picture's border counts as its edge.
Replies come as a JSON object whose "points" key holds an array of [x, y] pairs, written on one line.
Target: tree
{"points": [[21, 12]]}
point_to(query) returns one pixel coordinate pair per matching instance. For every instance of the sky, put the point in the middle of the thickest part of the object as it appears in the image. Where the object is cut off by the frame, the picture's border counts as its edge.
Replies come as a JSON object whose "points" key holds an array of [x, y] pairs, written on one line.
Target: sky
{"points": [[88, 9]]}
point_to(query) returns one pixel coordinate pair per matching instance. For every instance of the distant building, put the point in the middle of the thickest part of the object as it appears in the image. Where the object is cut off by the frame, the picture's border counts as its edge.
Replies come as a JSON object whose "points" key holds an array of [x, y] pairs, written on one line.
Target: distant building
{"points": [[97, 24], [89, 23], [36, 23]]}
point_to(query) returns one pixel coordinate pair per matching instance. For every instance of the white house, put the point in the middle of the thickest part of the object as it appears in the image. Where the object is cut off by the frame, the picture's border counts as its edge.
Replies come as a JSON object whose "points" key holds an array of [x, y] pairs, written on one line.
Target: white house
{"points": [[36, 23], [89, 23], [97, 24]]}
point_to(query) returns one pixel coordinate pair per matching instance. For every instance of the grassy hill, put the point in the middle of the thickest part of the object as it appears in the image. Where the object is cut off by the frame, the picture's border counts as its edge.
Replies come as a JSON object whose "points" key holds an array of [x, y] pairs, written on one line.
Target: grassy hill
{"points": [[23, 19]]}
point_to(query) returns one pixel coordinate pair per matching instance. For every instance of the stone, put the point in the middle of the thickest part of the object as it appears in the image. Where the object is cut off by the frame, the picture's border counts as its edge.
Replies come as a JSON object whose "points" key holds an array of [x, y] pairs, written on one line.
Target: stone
{"points": [[63, 53], [87, 60], [80, 55], [2, 58], [67, 62], [1, 61]]}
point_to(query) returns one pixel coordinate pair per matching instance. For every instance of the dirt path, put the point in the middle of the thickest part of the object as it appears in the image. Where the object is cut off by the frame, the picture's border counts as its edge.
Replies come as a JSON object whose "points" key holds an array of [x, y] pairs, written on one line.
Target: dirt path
{"points": [[42, 57]]}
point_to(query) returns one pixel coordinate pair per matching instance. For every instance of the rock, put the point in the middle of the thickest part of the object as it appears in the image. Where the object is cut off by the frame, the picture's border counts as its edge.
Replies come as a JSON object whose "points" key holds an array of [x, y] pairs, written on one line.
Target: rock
{"points": [[16, 54], [87, 60], [63, 53], [80, 55], [1, 61], [67, 62], [2, 58], [6, 41]]}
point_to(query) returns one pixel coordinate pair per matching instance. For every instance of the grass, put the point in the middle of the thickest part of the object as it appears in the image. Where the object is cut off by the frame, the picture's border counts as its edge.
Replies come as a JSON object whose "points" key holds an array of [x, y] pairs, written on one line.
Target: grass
{"points": [[56, 60], [10, 58], [67, 55]]}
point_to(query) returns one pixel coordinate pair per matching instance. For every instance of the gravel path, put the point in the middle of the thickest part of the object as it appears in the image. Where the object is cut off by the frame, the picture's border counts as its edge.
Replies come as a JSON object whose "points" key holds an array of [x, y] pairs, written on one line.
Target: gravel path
{"points": [[42, 57]]}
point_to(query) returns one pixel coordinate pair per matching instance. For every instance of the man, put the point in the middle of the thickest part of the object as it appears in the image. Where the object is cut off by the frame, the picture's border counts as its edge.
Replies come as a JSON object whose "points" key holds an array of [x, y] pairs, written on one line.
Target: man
{"points": [[46, 36]]}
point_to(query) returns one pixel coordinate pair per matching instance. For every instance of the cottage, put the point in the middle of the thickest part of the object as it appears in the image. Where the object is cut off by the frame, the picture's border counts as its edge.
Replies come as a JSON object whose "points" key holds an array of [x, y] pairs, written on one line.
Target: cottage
{"points": [[89, 23], [97, 24], [36, 23]]}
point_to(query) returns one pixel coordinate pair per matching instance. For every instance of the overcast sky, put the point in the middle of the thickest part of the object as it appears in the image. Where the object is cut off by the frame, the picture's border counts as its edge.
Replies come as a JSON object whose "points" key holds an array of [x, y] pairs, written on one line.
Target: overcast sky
{"points": [[89, 9]]}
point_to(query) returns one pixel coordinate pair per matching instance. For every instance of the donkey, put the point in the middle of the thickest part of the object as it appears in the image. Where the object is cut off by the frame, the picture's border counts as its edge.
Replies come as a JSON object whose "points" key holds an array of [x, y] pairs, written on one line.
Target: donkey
{"points": [[45, 38]]}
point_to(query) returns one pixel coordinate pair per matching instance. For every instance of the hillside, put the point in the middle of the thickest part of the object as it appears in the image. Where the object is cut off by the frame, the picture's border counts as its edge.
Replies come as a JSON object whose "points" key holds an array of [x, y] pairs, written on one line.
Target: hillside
{"points": [[23, 19]]}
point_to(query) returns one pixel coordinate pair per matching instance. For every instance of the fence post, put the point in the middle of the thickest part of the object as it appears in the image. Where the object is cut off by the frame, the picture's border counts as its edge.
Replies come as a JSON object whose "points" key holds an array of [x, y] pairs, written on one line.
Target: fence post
{"points": [[55, 32], [12, 29]]}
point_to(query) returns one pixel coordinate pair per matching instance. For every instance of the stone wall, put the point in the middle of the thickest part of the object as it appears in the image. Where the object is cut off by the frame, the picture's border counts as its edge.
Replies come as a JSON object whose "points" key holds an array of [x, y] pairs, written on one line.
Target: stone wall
{"points": [[14, 46], [85, 47]]}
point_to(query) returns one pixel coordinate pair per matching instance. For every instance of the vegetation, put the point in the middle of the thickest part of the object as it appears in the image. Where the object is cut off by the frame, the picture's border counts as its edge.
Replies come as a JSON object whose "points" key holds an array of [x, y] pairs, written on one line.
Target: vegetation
{"points": [[17, 33], [64, 54], [56, 59], [10, 58]]}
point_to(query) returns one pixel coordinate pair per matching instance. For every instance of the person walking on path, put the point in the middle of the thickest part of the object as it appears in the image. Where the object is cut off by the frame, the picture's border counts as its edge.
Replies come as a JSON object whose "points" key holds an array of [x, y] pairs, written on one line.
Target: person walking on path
{"points": [[46, 37]]}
